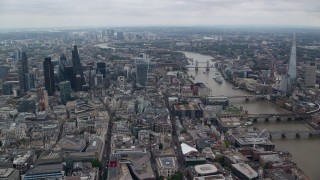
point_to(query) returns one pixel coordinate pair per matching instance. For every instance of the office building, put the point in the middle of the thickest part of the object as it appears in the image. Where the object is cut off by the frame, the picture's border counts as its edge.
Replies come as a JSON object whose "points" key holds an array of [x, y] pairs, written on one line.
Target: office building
{"points": [[23, 70], [7, 88], [310, 75], [9, 174], [48, 76], [244, 171], [69, 76], [77, 69], [62, 68], [167, 166], [101, 68], [25, 105], [4, 71], [50, 171], [65, 91], [142, 67], [78, 83], [120, 36]]}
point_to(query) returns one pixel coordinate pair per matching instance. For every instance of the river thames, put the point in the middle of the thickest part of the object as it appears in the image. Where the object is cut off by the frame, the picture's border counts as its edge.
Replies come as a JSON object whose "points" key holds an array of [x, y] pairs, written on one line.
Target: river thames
{"points": [[304, 150]]}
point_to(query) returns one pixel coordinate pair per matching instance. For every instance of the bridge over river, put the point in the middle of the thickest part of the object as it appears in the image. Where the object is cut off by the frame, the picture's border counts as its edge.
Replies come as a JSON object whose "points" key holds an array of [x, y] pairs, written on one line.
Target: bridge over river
{"points": [[294, 133]]}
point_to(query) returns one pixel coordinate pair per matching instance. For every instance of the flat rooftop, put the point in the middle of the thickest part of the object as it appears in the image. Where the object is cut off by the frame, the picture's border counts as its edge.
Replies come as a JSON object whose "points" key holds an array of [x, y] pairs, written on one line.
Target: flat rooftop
{"points": [[246, 170]]}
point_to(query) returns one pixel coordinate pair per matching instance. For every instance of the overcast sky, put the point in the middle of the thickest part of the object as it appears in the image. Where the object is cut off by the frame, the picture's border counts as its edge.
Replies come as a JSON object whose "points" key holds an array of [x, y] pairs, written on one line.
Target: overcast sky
{"points": [[65, 13]]}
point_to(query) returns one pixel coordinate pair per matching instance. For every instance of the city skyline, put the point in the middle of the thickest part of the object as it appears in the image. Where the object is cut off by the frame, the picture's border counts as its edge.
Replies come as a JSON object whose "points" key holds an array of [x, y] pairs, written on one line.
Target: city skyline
{"points": [[39, 14]]}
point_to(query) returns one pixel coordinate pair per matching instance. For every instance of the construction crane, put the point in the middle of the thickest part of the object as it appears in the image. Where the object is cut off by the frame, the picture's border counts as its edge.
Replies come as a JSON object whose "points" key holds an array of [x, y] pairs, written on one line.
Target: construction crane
{"points": [[255, 139]]}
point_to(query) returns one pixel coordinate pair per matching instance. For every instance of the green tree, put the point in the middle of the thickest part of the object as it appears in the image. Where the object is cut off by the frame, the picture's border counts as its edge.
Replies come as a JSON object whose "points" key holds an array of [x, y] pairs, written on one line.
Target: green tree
{"points": [[177, 176], [96, 163]]}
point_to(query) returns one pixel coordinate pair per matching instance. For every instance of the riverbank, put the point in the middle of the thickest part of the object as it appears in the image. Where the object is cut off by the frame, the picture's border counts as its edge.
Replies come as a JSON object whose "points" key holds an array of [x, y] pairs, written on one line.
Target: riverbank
{"points": [[304, 150]]}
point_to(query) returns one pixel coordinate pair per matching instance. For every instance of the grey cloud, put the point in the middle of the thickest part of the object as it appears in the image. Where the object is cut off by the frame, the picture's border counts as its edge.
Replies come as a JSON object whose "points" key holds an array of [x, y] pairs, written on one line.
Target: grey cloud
{"points": [[146, 12]]}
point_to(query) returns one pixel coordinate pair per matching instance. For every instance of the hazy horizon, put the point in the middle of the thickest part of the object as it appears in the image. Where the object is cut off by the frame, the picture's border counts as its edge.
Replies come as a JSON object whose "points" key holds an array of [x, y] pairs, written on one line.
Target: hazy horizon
{"points": [[126, 13]]}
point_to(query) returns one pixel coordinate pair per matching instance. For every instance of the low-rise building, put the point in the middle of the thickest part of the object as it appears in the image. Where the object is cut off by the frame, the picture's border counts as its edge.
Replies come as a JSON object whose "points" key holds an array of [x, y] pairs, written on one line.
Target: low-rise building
{"points": [[9, 174], [167, 166]]}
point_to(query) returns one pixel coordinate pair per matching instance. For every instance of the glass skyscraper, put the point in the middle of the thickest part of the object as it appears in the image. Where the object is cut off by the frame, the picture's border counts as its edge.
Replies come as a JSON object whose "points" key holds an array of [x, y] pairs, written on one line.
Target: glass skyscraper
{"points": [[77, 68], [48, 76], [142, 67], [23, 70], [65, 91]]}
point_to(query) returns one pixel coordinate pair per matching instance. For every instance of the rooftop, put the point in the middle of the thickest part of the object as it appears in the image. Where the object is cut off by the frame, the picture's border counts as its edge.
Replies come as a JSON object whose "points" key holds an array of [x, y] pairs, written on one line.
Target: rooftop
{"points": [[246, 170], [186, 148], [4, 173], [205, 169], [44, 169]]}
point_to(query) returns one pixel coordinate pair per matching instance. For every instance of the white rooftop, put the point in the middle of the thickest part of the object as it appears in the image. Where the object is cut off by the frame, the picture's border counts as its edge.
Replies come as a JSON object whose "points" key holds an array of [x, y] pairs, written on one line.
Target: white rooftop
{"points": [[204, 169], [186, 148]]}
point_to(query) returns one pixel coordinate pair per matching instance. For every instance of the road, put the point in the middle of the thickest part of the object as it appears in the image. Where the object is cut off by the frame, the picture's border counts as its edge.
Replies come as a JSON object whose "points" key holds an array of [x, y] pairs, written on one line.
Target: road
{"points": [[175, 139], [107, 146]]}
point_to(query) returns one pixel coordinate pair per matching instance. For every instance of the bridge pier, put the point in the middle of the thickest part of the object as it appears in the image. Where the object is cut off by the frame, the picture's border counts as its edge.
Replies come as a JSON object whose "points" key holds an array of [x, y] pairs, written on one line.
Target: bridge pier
{"points": [[283, 135], [297, 135], [266, 120]]}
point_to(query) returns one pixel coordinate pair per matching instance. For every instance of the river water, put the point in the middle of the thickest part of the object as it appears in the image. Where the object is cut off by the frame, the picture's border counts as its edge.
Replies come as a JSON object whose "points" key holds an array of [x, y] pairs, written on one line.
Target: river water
{"points": [[305, 150]]}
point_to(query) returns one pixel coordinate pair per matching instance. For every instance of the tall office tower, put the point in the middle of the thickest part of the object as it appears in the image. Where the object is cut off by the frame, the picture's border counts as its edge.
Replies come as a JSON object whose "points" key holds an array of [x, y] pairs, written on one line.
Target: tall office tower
{"points": [[48, 76], [4, 70], [120, 36], [142, 67], [65, 91], [310, 75], [78, 83], [292, 68], [17, 54], [70, 77], [30, 81], [62, 68], [101, 68], [7, 88], [104, 33], [77, 68], [111, 33], [23, 70]]}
